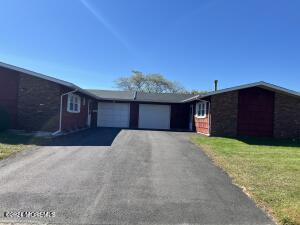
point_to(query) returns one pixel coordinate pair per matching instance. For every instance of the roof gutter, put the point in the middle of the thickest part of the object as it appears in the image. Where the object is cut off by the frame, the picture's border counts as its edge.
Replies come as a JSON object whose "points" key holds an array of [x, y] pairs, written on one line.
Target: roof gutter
{"points": [[192, 98]]}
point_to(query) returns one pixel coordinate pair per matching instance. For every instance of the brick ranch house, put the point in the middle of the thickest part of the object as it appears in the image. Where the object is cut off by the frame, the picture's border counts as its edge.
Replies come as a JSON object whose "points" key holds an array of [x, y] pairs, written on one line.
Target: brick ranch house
{"points": [[36, 102]]}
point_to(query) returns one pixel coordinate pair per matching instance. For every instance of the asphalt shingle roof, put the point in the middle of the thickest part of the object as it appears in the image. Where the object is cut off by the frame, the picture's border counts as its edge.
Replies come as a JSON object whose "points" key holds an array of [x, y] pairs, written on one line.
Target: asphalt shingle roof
{"points": [[141, 96], [162, 97], [114, 95]]}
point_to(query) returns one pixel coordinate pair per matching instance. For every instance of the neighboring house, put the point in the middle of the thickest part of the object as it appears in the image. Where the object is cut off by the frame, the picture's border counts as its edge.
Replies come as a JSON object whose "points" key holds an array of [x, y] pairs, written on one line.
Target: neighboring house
{"points": [[38, 102], [33, 101], [258, 109]]}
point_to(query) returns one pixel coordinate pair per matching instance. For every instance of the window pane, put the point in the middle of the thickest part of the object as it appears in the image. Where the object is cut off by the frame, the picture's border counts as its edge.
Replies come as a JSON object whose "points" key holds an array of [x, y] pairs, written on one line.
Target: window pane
{"points": [[71, 106], [76, 107]]}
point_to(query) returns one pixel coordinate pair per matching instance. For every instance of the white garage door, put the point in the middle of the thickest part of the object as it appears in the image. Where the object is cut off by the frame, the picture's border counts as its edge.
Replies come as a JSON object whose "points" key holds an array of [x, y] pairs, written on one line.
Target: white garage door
{"points": [[154, 116], [113, 114]]}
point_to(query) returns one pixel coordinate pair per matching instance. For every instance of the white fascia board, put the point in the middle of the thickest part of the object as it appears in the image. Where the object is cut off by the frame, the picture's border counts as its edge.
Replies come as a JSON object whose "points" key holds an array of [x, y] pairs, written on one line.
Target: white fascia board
{"points": [[261, 84], [192, 98]]}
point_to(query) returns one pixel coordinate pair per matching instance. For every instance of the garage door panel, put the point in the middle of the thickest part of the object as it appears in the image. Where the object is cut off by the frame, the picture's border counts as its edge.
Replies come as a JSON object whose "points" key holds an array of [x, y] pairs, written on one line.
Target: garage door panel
{"points": [[113, 114], [154, 116]]}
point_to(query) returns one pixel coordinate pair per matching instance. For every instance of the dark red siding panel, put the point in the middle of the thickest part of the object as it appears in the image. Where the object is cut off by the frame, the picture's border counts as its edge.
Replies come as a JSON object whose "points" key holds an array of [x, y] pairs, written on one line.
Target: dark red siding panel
{"points": [[202, 124], [134, 115], [9, 82], [180, 116], [255, 112]]}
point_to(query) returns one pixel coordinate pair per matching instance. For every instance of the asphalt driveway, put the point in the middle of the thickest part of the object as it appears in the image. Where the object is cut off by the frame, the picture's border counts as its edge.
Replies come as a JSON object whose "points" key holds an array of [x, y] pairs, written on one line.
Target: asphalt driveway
{"points": [[107, 176]]}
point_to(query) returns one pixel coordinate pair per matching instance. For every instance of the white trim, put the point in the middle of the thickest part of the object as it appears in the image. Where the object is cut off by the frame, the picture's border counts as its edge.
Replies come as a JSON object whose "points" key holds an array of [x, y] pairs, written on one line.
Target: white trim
{"points": [[261, 84], [257, 84], [192, 98], [76, 101], [208, 115], [204, 104]]}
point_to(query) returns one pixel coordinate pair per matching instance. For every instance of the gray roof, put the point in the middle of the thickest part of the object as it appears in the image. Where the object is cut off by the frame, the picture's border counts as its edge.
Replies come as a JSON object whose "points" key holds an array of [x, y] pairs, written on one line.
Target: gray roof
{"points": [[113, 95], [162, 97], [260, 84], [141, 96]]}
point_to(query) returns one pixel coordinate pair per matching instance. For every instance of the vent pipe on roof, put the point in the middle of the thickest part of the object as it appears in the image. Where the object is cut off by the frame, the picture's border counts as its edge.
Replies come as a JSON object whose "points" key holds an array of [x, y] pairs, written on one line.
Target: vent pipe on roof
{"points": [[216, 85]]}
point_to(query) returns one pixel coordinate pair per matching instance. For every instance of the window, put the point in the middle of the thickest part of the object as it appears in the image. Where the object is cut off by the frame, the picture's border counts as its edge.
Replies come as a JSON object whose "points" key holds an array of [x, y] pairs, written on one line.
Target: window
{"points": [[201, 109], [73, 103]]}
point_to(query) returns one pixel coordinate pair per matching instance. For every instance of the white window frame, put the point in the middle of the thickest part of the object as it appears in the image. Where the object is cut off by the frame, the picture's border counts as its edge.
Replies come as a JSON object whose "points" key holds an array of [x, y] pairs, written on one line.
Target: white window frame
{"points": [[201, 109], [72, 101]]}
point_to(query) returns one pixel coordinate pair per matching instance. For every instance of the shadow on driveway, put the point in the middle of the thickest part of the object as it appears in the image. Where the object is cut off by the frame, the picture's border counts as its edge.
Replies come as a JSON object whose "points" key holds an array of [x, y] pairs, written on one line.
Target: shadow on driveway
{"points": [[90, 137]]}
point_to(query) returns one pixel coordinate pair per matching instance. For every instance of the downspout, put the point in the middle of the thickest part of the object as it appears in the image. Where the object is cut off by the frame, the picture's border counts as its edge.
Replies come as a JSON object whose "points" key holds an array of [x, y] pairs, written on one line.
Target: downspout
{"points": [[60, 111]]}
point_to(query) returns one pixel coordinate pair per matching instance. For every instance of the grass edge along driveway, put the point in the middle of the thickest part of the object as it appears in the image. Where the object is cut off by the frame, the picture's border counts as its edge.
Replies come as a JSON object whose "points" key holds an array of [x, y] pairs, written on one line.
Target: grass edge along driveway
{"points": [[267, 169], [11, 143]]}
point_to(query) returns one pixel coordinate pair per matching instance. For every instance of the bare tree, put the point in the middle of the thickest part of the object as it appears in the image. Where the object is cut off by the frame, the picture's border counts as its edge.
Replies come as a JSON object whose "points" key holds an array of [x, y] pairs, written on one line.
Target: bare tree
{"points": [[152, 83]]}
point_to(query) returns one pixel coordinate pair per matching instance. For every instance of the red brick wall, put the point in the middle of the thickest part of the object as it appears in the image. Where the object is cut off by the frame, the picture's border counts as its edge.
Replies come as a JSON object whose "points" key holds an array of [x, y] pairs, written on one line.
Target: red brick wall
{"points": [[38, 104], [286, 116], [9, 82], [224, 114]]}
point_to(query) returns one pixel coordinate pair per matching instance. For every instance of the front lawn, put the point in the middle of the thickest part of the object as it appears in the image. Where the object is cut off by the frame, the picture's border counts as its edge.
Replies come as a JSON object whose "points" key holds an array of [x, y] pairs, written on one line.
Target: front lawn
{"points": [[269, 170], [11, 143]]}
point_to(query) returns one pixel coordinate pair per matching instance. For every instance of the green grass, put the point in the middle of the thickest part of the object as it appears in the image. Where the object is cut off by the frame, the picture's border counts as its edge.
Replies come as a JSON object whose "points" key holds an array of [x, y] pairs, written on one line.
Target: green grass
{"points": [[268, 169], [11, 143]]}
